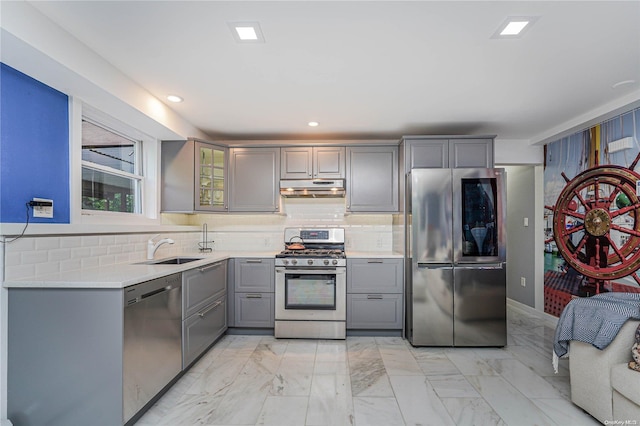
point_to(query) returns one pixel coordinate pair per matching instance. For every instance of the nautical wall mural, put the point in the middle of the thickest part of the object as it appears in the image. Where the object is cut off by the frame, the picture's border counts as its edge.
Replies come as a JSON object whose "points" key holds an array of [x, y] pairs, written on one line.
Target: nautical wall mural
{"points": [[592, 212]]}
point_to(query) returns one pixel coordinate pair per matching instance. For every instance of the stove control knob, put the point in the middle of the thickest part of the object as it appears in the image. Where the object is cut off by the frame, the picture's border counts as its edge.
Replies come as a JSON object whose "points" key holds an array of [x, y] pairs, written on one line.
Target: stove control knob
{"points": [[285, 262], [310, 261], [335, 261], [326, 261], [294, 262]]}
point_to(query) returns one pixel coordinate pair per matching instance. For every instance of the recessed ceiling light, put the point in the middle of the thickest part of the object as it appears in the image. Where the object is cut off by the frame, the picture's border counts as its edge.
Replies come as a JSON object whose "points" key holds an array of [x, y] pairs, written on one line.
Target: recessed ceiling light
{"points": [[514, 26], [313, 124], [246, 32], [174, 98]]}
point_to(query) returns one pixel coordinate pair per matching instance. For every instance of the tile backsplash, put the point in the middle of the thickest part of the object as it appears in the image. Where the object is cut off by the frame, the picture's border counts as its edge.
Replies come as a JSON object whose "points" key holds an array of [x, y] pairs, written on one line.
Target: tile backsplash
{"points": [[363, 232], [34, 256]]}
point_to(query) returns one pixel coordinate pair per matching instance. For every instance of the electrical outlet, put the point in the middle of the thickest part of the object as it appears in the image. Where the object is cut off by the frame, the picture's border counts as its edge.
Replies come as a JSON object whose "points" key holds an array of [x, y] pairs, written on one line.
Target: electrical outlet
{"points": [[42, 207], [523, 281]]}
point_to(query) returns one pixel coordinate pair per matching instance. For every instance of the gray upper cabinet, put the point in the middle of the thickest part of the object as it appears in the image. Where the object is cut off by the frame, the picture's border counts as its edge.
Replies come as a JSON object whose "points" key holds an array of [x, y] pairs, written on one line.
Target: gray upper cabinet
{"points": [[372, 178], [448, 152], [431, 154], [194, 176], [254, 176], [301, 162], [470, 153]]}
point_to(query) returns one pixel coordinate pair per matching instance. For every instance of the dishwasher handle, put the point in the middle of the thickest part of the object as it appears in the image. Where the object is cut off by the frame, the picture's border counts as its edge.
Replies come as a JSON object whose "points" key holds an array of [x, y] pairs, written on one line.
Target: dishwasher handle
{"points": [[143, 291], [154, 292]]}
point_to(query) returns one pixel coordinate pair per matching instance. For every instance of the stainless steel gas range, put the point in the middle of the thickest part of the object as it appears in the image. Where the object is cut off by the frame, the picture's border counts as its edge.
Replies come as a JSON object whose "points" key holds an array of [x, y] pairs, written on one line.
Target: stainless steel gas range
{"points": [[311, 288]]}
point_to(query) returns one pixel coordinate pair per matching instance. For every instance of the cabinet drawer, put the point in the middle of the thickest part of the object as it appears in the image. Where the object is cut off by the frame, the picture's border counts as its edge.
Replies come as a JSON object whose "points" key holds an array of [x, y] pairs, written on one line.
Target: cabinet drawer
{"points": [[201, 284], [254, 310], [254, 275], [202, 329], [374, 275], [374, 311]]}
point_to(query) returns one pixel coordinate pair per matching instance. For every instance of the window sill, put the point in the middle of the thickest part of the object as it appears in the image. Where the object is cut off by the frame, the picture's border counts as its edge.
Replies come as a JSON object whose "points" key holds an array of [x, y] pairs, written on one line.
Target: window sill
{"points": [[35, 229]]}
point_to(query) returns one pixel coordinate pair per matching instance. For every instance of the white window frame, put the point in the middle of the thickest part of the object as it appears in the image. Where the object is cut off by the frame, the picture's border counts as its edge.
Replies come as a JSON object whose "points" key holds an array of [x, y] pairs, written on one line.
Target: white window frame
{"points": [[149, 164], [137, 177]]}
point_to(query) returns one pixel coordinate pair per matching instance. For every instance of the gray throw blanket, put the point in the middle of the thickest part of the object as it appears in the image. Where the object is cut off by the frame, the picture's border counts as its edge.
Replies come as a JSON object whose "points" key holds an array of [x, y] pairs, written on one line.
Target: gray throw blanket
{"points": [[595, 320]]}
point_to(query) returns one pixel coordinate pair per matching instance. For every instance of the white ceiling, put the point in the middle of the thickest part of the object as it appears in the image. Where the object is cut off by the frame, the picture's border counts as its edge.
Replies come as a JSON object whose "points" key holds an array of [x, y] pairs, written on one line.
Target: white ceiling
{"points": [[378, 69]]}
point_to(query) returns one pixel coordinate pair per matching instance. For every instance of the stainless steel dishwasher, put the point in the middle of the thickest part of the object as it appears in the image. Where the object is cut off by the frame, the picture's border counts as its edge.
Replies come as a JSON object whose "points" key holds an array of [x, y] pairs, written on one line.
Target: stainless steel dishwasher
{"points": [[152, 340]]}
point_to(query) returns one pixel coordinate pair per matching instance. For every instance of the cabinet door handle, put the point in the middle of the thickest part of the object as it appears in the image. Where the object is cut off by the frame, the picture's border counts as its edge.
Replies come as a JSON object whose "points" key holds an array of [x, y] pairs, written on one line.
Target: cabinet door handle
{"points": [[206, 268], [211, 307], [254, 296], [254, 261], [374, 296]]}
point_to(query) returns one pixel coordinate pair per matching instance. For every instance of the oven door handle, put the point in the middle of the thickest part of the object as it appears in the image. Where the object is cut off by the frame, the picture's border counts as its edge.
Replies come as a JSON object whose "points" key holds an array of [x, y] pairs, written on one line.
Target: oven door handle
{"points": [[310, 271]]}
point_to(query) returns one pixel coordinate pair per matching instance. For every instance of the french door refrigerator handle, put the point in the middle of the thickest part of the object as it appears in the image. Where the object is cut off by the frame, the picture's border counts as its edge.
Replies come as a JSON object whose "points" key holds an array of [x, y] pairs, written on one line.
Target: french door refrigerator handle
{"points": [[489, 266], [434, 265]]}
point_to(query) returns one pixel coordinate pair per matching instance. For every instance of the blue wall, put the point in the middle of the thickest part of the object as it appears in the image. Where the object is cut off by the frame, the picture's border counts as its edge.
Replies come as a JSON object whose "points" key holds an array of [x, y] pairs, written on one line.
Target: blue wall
{"points": [[34, 147]]}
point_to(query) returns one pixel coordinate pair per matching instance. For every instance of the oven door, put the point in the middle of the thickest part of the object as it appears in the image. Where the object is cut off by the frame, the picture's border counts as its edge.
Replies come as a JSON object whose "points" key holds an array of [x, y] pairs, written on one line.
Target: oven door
{"points": [[311, 294]]}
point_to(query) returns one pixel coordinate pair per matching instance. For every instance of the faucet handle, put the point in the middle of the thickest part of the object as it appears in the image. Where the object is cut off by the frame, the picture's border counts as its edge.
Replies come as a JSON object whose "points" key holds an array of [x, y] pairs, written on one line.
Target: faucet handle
{"points": [[150, 240]]}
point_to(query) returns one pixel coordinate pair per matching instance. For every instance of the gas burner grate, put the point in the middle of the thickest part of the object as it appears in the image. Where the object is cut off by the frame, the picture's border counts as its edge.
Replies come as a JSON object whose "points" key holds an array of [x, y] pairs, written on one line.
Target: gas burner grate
{"points": [[333, 253]]}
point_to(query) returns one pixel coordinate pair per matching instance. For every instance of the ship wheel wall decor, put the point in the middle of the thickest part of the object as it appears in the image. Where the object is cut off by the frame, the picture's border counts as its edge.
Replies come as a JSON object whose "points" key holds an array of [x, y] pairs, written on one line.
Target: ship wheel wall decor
{"points": [[596, 223]]}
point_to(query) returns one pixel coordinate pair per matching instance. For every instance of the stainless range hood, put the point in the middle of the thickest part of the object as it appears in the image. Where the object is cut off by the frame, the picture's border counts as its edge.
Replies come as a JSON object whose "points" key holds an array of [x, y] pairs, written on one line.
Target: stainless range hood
{"points": [[312, 188]]}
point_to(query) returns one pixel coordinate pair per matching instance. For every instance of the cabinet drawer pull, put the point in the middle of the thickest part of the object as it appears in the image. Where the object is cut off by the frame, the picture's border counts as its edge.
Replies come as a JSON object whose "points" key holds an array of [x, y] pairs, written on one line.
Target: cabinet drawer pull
{"points": [[374, 296], [254, 296], [375, 261], [206, 268], [211, 307], [254, 261]]}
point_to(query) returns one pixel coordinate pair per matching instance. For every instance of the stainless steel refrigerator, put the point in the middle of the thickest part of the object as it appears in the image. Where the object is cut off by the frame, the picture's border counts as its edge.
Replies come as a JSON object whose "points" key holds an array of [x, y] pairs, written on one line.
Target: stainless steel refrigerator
{"points": [[456, 257]]}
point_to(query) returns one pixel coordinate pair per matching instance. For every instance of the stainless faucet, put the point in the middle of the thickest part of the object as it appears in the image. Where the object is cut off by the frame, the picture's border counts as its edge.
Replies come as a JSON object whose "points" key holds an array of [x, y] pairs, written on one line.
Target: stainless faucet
{"points": [[152, 247]]}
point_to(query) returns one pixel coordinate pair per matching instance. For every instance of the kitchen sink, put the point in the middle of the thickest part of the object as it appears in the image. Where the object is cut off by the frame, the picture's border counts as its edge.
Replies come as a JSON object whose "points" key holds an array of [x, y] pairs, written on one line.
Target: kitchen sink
{"points": [[172, 261]]}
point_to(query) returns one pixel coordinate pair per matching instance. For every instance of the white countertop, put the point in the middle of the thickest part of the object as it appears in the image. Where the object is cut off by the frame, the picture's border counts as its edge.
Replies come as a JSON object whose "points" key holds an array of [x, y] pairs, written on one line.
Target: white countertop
{"points": [[124, 274], [374, 254]]}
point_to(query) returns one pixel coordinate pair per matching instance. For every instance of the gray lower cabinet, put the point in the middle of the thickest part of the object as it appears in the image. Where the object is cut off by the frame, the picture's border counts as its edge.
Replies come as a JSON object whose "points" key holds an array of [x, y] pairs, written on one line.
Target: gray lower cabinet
{"points": [[254, 179], [254, 302], [372, 179], [375, 294], [374, 311], [254, 310], [204, 309], [65, 357], [67, 360]]}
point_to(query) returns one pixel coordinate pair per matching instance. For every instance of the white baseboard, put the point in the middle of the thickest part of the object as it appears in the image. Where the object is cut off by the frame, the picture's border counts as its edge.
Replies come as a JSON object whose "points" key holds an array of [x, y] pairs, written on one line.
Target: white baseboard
{"points": [[550, 320]]}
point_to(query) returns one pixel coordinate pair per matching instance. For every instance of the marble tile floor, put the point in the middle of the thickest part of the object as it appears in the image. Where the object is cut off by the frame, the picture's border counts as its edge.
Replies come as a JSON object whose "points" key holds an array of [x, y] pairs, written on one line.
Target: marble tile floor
{"points": [[369, 381]]}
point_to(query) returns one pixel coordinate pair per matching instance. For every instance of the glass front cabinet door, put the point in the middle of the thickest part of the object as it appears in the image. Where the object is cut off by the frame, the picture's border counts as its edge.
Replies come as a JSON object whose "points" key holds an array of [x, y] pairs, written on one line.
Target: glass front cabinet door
{"points": [[211, 185]]}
